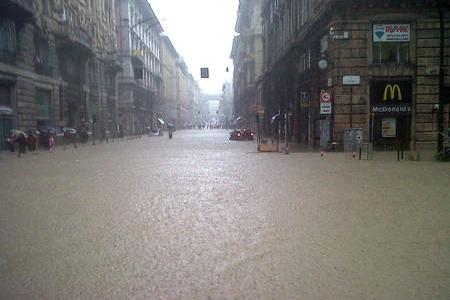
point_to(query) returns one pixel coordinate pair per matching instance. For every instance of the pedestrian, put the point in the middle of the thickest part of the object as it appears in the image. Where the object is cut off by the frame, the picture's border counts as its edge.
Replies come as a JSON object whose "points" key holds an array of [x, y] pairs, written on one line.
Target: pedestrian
{"points": [[66, 138], [73, 137], [21, 142], [10, 140], [51, 142]]}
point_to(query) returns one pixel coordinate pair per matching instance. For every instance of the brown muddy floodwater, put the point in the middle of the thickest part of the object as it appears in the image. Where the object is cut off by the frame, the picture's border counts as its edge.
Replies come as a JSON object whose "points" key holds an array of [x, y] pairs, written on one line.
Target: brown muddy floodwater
{"points": [[201, 217]]}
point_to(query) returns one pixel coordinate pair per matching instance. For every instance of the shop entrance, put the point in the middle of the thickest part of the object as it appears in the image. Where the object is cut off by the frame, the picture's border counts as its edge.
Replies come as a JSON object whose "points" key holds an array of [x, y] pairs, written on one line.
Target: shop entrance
{"points": [[6, 125], [391, 108]]}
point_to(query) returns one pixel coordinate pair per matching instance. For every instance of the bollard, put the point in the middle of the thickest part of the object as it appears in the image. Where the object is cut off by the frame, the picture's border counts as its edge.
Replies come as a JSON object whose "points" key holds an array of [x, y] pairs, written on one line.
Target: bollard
{"points": [[360, 153]]}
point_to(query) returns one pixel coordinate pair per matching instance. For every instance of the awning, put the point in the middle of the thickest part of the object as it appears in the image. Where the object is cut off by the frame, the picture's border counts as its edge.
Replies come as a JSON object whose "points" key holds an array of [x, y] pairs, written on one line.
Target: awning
{"points": [[161, 121], [274, 118], [4, 110]]}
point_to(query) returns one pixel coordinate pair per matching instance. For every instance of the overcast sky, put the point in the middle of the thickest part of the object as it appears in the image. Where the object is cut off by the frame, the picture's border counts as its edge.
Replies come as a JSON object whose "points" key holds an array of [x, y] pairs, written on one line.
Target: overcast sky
{"points": [[202, 32]]}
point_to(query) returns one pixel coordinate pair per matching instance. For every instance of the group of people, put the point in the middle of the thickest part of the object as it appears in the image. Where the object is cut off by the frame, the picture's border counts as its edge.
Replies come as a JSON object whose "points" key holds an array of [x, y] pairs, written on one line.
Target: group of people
{"points": [[20, 141]]}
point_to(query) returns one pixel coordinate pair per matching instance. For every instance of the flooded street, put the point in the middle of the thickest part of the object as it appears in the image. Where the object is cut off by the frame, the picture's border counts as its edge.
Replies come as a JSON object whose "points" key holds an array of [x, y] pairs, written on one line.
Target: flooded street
{"points": [[201, 217]]}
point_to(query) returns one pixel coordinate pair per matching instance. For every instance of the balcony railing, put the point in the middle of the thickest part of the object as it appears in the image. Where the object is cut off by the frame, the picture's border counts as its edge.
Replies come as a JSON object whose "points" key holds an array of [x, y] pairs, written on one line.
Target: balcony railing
{"points": [[75, 35], [22, 8], [7, 56], [43, 69]]}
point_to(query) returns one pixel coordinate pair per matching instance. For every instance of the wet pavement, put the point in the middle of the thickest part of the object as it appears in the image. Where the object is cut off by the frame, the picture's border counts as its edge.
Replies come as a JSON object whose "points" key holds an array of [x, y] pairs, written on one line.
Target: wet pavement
{"points": [[201, 217]]}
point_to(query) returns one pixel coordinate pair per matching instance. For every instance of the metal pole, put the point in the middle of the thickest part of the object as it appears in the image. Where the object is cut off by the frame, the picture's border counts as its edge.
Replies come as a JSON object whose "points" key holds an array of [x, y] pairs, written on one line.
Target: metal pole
{"points": [[279, 129], [286, 146], [440, 140], [372, 121]]}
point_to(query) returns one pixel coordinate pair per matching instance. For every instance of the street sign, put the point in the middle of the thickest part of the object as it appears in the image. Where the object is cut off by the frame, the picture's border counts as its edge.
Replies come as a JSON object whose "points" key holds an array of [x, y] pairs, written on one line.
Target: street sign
{"points": [[326, 97], [351, 80], [204, 72], [325, 103]]}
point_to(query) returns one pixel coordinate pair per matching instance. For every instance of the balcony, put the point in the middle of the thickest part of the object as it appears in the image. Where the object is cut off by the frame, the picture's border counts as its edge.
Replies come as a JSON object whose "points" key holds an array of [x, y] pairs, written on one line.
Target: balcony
{"points": [[43, 69], [7, 56], [137, 58], [19, 9], [74, 38]]}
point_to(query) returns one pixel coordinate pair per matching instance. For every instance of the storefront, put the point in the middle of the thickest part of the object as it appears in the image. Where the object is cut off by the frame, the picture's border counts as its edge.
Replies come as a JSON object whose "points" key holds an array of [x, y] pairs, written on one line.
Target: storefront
{"points": [[7, 115], [391, 108]]}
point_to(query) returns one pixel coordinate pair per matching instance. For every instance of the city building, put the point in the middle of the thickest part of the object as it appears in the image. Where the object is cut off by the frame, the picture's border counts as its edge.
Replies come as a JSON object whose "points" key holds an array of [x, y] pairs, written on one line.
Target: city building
{"points": [[226, 104], [180, 91], [139, 84], [247, 55], [169, 71], [380, 66], [57, 64]]}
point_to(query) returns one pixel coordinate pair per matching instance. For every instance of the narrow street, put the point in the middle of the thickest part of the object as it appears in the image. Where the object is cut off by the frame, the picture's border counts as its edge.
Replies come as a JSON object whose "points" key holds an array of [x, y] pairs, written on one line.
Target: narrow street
{"points": [[201, 217]]}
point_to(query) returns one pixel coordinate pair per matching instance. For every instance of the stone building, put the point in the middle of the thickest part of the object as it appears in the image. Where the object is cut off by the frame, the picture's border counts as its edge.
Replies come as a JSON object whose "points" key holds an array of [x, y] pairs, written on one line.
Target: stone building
{"points": [[180, 91], [57, 64], [369, 64], [169, 71], [139, 51], [226, 104], [247, 55]]}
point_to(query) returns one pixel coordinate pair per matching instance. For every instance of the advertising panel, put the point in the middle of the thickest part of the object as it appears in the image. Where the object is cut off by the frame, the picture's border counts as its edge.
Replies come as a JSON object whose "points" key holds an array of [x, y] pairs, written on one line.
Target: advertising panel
{"points": [[391, 97], [391, 32], [389, 127]]}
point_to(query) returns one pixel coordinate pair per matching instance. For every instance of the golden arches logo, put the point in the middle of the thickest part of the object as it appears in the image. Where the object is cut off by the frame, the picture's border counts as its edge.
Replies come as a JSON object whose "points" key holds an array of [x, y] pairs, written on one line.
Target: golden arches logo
{"points": [[391, 90]]}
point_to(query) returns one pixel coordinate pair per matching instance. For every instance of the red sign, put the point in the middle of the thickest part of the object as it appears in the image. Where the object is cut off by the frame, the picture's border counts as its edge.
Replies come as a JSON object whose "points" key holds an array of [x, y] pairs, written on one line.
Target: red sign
{"points": [[325, 97]]}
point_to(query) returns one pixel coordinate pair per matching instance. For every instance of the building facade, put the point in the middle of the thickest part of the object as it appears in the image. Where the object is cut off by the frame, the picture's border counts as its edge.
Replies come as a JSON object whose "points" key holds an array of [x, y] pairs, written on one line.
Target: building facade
{"points": [[374, 65], [180, 91], [247, 55], [226, 104], [169, 58], [57, 64], [139, 83]]}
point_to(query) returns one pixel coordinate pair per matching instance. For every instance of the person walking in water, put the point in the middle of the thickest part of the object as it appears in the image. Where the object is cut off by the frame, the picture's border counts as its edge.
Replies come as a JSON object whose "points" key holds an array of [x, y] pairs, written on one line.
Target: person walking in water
{"points": [[51, 142]]}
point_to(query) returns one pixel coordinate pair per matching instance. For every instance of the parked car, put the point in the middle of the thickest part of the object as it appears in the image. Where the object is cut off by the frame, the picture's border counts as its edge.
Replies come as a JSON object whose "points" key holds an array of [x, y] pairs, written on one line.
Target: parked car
{"points": [[241, 135]]}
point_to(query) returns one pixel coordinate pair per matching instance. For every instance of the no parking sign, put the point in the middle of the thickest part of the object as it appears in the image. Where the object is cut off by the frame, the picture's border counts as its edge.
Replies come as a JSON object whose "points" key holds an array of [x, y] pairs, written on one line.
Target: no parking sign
{"points": [[325, 103]]}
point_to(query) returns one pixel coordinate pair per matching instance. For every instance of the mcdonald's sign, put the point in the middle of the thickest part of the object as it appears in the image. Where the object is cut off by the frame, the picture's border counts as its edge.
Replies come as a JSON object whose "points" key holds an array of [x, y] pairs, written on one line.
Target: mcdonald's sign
{"points": [[391, 97], [390, 90]]}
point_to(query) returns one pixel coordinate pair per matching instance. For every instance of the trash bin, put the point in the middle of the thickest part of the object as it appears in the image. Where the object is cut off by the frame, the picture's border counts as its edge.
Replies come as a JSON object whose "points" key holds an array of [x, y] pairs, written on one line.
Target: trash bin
{"points": [[353, 139]]}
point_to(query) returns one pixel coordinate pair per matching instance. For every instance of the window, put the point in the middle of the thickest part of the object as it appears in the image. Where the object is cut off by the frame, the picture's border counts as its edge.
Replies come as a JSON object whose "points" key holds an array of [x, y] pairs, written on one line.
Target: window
{"points": [[7, 36], [5, 95], [305, 61], [391, 43], [394, 52], [42, 51], [305, 11], [43, 101]]}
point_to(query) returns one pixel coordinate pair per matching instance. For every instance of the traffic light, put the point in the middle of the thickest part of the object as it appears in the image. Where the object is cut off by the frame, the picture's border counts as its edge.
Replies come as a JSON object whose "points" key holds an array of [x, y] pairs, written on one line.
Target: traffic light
{"points": [[204, 72]]}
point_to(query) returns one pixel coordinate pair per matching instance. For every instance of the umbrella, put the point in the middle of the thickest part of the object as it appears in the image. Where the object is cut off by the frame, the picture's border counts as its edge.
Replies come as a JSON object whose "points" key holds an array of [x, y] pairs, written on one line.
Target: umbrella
{"points": [[69, 130], [274, 118], [16, 132], [170, 125], [4, 110]]}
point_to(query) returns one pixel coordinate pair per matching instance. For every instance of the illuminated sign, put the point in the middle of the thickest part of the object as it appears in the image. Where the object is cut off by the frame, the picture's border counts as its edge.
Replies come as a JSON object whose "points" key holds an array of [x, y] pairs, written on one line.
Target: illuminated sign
{"points": [[389, 89], [391, 97]]}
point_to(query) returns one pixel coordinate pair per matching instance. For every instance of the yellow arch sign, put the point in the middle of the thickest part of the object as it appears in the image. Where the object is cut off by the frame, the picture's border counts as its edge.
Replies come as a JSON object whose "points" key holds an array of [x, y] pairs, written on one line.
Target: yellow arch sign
{"points": [[391, 90]]}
